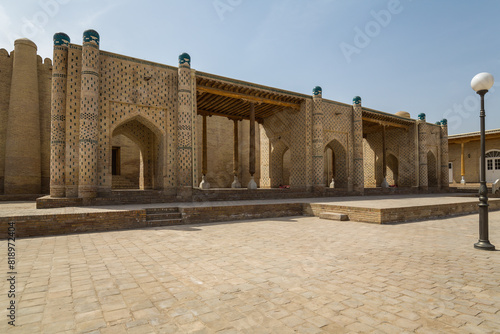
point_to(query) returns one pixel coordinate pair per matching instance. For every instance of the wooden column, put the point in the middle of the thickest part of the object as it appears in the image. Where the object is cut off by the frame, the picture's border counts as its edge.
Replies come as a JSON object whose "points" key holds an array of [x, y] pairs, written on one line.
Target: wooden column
{"points": [[384, 156], [236, 183], [251, 160], [204, 168], [462, 163]]}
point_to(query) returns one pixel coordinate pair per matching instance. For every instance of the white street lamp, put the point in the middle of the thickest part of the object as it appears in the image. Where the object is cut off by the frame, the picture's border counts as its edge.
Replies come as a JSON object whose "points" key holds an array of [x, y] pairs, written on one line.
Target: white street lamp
{"points": [[481, 83]]}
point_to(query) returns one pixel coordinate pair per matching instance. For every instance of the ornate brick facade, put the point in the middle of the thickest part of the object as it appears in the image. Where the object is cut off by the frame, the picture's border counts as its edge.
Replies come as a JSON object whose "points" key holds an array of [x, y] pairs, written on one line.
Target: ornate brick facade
{"points": [[103, 103]]}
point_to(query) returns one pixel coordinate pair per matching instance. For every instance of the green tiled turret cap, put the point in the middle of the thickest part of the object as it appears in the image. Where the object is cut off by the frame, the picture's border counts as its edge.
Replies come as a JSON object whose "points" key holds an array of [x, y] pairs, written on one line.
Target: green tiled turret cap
{"points": [[91, 36], [185, 59], [317, 91], [61, 38], [356, 100]]}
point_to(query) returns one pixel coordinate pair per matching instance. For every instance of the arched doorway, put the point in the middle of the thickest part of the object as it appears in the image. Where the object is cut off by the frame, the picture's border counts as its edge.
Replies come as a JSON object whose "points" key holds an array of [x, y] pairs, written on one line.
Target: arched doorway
{"points": [[280, 166], [125, 163], [329, 158], [335, 164], [432, 170], [135, 156], [392, 170], [492, 165]]}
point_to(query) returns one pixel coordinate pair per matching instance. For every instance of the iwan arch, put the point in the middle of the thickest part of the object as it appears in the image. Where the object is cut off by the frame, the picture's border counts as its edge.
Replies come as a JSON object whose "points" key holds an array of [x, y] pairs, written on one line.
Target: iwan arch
{"points": [[103, 102]]}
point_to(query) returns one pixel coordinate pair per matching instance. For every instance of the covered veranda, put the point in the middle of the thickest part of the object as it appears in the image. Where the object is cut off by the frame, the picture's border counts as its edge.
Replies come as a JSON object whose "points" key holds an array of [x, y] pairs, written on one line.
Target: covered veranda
{"points": [[240, 101], [385, 138]]}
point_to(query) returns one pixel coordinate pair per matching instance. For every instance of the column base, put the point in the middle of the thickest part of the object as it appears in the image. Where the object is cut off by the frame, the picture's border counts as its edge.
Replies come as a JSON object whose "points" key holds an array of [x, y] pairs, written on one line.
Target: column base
{"points": [[384, 184], [72, 191], [484, 245], [87, 192], [185, 193], [236, 183], [252, 184], [58, 191], [462, 181], [332, 184], [204, 184]]}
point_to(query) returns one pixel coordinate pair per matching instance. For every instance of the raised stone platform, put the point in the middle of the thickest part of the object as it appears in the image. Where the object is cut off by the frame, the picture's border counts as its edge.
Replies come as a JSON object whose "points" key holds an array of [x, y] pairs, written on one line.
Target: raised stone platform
{"points": [[371, 209]]}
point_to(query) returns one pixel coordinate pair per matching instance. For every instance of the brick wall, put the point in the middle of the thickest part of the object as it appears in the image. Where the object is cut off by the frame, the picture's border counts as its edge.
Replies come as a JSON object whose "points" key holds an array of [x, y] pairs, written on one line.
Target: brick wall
{"points": [[42, 75]]}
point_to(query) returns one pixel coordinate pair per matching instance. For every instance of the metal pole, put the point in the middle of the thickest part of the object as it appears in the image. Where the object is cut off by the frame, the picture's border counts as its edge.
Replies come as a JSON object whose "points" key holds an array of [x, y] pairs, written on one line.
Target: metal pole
{"points": [[483, 242]]}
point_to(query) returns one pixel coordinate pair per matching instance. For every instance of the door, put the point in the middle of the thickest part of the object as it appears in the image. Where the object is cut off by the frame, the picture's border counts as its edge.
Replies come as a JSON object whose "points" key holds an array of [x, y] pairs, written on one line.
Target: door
{"points": [[492, 166]]}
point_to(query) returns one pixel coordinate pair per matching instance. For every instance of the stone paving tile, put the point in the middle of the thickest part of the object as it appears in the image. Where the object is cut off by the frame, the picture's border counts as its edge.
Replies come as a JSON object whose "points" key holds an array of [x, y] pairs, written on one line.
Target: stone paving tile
{"points": [[286, 275]]}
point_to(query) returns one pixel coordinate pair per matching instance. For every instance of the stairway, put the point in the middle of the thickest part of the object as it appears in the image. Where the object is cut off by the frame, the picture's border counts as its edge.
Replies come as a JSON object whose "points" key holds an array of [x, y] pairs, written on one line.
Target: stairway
{"points": [[163, 216], [123, 182], [333, 216]]}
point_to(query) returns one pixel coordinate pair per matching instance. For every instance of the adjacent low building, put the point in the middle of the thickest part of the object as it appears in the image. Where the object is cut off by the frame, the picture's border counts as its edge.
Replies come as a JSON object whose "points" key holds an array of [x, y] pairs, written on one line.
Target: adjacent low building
{"points": [[464, 155]]}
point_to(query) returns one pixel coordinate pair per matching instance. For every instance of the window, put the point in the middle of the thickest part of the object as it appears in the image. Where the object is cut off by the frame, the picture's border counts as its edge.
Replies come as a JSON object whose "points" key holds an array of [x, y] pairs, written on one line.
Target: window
{"points": [[489, 164], [497, 164]]}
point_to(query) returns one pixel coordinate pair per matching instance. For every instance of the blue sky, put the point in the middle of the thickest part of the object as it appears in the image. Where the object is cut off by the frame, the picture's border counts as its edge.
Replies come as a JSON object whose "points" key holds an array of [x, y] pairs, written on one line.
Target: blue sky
{"points": [[411, 55]]}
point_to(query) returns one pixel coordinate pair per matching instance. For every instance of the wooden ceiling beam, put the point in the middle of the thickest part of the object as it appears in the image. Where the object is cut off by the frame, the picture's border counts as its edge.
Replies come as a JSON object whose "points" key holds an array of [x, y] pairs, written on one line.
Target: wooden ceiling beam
{"points": [[247, 97]]}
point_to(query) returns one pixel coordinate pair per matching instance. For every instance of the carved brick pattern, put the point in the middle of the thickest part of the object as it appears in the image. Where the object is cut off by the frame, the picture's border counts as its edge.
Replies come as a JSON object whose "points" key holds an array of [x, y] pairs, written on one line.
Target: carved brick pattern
{"points": [[131, 90], [422, 149], [185, 129], [306, 110], [336, 127], [89, 111], [433, 141], [265, 179], [444, 157], [73, 91], [369, 161], [400, 158], [285, 129], [58, 122]]}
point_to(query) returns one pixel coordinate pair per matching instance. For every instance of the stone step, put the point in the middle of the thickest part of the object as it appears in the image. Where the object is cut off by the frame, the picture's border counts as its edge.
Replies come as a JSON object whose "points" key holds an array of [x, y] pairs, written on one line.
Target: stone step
{"points": [[162, 210], [165, 222], [333, 216], [123, 182], [163, 216]]}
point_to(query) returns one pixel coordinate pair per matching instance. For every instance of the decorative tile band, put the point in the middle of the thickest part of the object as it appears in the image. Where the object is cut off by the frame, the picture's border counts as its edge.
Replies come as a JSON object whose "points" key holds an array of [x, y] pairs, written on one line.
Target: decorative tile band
{"points": [[91, 141], [90, 72]]}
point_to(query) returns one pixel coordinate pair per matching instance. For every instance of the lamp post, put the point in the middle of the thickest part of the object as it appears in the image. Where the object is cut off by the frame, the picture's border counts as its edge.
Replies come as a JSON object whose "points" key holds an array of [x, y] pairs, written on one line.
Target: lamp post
{"points": [[481, 83]]}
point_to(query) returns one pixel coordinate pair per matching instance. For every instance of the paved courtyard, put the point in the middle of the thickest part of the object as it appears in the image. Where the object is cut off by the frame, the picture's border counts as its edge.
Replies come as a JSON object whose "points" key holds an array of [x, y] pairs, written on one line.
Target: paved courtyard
{"points": [[283, 275]]}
